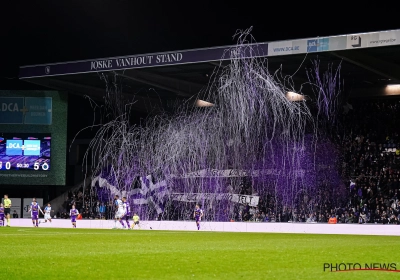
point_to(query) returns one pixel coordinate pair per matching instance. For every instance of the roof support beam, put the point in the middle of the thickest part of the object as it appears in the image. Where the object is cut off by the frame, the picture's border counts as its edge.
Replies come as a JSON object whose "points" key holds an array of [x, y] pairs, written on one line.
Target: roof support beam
{"points": [[383, 68], [98, 93], [180, 87], [155, 84], [220, 63]]}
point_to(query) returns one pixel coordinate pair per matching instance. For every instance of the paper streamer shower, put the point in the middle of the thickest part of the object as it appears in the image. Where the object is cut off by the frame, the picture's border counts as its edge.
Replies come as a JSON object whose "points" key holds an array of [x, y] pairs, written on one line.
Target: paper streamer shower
{"points": [[254, 147]]}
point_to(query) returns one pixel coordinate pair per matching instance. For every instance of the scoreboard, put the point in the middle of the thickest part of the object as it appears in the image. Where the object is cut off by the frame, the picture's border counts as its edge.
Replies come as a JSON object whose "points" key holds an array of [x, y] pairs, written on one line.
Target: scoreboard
{"points": [[22, 151]]}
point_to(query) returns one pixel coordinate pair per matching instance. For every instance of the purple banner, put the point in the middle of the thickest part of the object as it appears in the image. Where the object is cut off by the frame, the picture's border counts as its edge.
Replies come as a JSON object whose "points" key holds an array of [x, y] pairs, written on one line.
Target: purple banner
{"points": [[139, 61]]}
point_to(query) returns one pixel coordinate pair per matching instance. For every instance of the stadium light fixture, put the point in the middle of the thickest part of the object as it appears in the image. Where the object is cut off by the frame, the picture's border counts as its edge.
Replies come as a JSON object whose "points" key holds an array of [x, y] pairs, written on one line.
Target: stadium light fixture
{"points": [[202, 103], [392, 89], [293, 96]]}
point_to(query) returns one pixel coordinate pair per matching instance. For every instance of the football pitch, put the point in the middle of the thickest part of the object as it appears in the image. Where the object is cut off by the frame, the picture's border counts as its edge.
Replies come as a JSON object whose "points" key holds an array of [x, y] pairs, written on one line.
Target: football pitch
{"points": [[50, 253]]}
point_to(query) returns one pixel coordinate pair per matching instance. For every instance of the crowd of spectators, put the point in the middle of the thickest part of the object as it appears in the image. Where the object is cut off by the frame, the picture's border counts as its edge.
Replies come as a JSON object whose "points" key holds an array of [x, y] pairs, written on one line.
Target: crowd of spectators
{"points": [[369, 144], [88, 205], [371, 159], [370, 164]]}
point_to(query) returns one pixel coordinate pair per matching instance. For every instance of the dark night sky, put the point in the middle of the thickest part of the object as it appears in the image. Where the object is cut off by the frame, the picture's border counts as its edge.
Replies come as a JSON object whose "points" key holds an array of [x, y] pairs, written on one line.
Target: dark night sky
{"points": [[54, 31]]}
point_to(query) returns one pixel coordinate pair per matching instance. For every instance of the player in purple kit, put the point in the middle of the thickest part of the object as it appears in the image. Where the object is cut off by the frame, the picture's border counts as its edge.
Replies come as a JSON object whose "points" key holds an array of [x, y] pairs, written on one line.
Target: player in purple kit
{"points": [[35, 208], [127, 215], [1, 215], [198, 213], [73, 213]]}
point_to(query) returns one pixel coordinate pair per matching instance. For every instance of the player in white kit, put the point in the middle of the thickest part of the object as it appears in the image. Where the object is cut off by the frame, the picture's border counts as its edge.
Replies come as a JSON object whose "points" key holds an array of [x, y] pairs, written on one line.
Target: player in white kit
{"points": [[120, 213], [47, 211]]}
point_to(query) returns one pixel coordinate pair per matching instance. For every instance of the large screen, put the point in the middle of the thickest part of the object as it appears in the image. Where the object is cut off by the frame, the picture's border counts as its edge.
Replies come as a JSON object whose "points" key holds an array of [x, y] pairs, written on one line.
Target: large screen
{"points": [[22, 151]]}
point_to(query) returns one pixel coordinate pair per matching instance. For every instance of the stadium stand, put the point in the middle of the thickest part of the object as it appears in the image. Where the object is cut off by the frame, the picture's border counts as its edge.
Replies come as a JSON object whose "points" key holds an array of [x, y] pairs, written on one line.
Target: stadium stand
{"points": [[88, 205], [370, 148], [370, 161]]}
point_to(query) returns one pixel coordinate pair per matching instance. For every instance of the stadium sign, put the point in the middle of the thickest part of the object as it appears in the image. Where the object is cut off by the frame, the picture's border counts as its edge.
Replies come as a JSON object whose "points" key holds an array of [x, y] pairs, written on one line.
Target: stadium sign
{"points": [[287, 47], [140, 61], [229, 173], [374, 39], [11, 110], [26, 110], [136, 61], [252, 200]]}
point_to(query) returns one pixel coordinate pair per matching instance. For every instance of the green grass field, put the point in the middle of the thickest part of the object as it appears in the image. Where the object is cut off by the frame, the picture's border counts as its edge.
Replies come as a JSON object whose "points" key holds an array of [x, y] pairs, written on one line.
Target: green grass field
{"points": [[43, 253]]}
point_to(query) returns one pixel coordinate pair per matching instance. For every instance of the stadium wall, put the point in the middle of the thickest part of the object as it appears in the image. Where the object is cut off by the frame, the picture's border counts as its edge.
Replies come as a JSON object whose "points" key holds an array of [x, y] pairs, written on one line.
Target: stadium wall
{"points": [[364, 229]]}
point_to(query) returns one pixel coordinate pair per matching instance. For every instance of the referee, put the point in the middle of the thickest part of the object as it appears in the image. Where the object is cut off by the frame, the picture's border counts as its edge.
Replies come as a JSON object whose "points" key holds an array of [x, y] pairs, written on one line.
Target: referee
{"points": [[7, 208]]}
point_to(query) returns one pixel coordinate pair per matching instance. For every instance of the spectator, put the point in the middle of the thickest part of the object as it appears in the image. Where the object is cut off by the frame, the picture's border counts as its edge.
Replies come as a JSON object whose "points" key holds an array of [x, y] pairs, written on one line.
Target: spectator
{"points": [[362, 219], [102, 210]]}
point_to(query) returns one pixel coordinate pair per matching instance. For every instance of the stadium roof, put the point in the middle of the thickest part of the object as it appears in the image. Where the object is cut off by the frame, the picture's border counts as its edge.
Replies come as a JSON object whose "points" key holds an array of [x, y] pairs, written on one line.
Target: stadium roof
{"points": [[369, 62]]}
